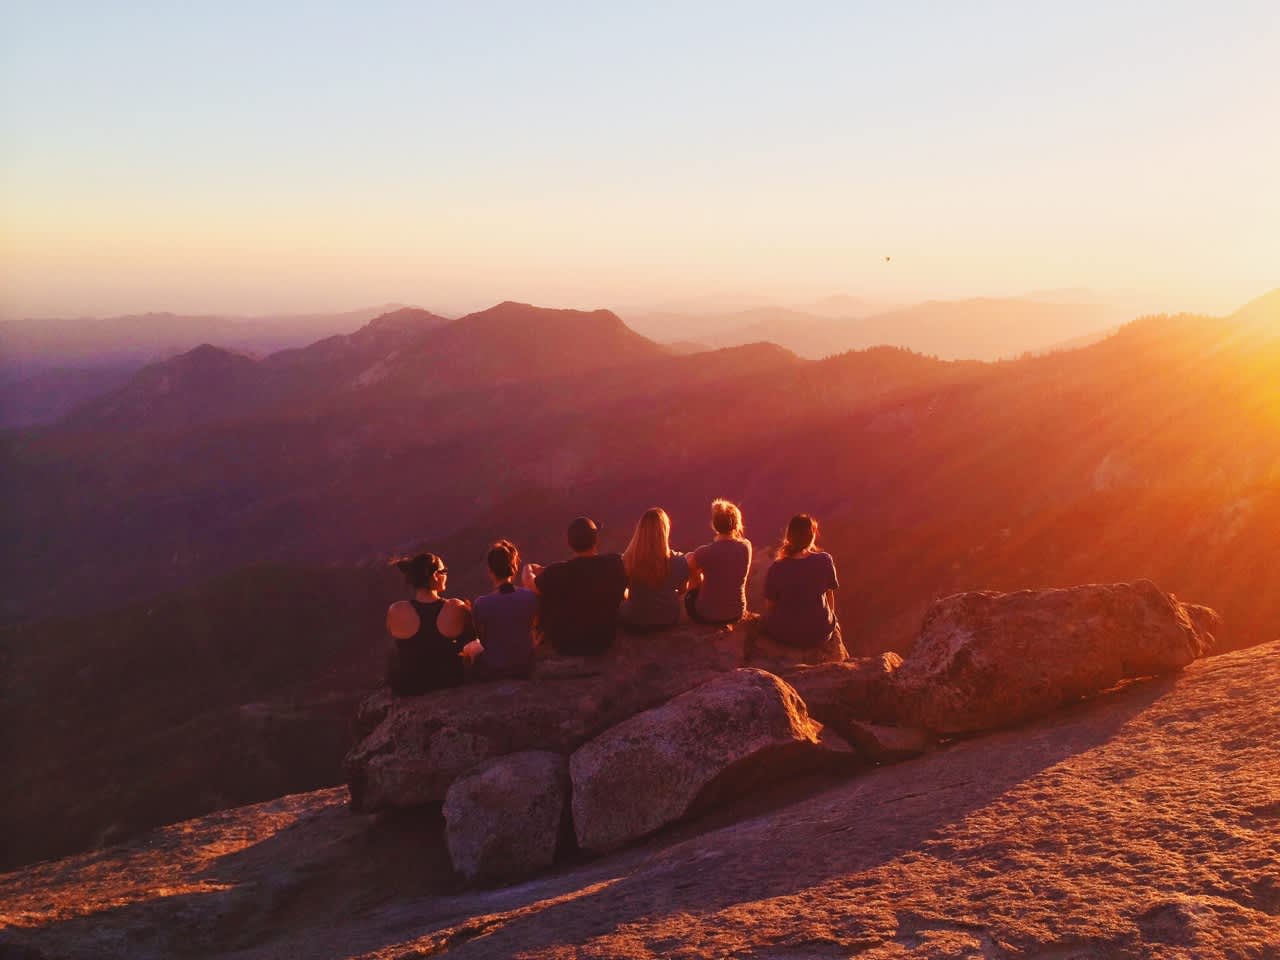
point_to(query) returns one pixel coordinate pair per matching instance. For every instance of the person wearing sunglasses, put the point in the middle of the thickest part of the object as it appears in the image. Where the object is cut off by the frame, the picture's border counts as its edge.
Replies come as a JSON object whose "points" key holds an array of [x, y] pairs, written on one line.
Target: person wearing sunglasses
{"points": [[429, 631]]}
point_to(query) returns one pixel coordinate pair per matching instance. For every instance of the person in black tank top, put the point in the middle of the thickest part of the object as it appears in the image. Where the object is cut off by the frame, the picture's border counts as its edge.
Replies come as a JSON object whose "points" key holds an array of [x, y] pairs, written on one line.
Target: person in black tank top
{"points": [[429, 631]]}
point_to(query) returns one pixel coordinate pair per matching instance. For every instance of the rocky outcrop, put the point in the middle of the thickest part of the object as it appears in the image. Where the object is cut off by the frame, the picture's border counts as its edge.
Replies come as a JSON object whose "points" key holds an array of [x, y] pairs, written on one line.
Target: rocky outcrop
{"points": [[881, 744], [668, 724], [504, 819], [761, 650], [412, 748], [720, 739], [838, 694], [987, 660]]}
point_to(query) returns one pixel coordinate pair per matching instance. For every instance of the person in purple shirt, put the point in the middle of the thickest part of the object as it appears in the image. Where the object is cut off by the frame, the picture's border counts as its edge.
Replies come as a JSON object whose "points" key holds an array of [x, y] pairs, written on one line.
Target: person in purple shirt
{"points": [[504, 620], [718, 570], [800, 589]]}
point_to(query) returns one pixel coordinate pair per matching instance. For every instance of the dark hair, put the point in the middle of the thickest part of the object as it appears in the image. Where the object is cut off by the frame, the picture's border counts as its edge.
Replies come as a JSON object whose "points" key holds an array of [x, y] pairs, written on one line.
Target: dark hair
{"points": [[503, 559], [802, 533], [420, 569], [583, 534]]}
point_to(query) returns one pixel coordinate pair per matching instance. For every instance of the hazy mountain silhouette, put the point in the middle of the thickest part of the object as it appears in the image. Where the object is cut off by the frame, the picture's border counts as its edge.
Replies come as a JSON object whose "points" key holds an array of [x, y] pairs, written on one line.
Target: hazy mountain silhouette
{"points": [[986, 328], [982, 329], [50, 366], [46, 396], [137, 339], [841, 306], [406, 354]]}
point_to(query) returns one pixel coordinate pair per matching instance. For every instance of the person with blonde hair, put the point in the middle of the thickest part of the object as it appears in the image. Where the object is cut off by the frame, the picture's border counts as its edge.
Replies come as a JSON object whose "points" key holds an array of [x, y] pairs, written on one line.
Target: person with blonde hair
{"points": [[656, 576], [800, 589], [718, 570]]}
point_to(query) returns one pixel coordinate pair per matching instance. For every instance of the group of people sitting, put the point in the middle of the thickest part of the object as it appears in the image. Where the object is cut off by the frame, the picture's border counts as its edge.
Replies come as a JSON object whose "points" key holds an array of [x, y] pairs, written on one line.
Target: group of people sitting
{"points": [[577, 605]]}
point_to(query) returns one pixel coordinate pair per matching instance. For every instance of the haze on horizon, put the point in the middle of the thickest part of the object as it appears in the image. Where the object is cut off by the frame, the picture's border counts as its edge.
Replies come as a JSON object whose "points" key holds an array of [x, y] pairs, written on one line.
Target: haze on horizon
{"points": [[251, 161]]}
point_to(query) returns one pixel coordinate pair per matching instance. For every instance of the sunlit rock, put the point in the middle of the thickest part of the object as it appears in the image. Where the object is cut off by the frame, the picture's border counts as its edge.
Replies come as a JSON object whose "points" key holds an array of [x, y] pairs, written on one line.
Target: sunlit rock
{"points": [[986, 660], [711, 743], [412, 748]]}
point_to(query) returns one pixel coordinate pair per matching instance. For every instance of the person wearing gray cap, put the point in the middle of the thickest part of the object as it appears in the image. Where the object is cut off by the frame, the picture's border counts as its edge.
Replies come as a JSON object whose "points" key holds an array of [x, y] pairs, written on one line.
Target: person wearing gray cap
{"points": [[578, 598]]}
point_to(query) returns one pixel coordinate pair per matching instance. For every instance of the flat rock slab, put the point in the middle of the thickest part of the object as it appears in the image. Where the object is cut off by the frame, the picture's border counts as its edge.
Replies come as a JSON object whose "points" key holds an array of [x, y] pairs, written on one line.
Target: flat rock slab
{"points": [[505, 818], [716, 740], [987, 660]]}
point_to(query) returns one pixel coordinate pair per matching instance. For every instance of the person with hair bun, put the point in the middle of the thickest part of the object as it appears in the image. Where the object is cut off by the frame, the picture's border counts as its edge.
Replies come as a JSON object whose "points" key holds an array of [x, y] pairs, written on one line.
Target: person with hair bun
{"points": [[504, 619], [718, 570], [799, 589], [429, 630]]}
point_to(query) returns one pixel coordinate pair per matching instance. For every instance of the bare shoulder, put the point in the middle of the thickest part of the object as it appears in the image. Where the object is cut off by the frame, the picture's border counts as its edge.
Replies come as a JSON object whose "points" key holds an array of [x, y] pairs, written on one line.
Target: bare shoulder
{"points": [[402, 620], [455, 604]]}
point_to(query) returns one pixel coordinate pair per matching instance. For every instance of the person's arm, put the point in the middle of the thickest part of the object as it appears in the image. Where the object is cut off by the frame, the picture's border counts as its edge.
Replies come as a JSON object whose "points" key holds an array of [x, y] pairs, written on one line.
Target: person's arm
{"points": [[833, 584], [455, 623], [695, 572], [684, 586], [529, 576], [770, 592]]}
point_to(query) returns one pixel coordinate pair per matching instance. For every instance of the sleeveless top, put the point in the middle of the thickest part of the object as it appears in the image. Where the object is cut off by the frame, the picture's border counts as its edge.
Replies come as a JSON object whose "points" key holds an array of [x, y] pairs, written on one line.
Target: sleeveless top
{"points": [[428, 660]]}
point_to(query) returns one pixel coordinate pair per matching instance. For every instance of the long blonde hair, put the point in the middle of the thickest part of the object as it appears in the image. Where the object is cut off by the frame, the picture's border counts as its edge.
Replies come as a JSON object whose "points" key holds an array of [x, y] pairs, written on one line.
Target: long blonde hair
{"points": [[648, 555]]}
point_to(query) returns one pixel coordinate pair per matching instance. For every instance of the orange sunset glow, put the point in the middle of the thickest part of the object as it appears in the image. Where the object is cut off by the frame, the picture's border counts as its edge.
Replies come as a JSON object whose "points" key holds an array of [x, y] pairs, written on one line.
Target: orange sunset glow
{"points": [[579, 481]]}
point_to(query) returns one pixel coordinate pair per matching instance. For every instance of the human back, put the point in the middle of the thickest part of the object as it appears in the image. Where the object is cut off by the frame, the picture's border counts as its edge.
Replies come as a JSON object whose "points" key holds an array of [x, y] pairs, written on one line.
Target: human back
{"points": [[800, 589], [578, 598], [656, 575], [504, 619], [720, 569], [428, 630]]}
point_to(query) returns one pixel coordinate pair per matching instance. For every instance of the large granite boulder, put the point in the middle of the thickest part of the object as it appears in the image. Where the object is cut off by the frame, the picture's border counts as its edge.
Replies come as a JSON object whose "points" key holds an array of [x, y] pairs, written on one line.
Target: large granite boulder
{"points": [[838, 694], [713, 742], [986, 660], [411, 749], [504, 819]]}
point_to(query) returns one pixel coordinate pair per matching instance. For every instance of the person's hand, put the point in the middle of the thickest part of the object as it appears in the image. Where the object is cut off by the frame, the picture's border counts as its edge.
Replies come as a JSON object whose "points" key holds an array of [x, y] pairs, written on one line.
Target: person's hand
{"points": [[529, 574], [472, 649]]}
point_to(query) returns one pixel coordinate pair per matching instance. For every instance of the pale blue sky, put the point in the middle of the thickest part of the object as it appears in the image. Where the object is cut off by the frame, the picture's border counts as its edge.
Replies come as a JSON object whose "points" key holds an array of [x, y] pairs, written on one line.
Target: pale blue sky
{"points": [[230, 157]]}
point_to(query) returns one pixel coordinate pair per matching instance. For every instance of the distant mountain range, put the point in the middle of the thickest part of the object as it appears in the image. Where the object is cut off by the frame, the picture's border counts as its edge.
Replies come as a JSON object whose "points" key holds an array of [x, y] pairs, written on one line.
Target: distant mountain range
{"points": [[979, 329], [218, 493], [49, 366]]}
